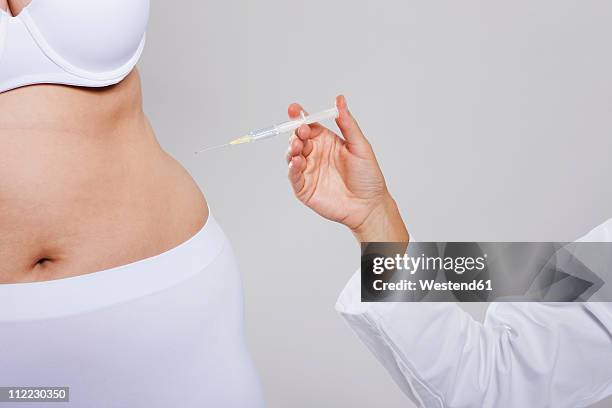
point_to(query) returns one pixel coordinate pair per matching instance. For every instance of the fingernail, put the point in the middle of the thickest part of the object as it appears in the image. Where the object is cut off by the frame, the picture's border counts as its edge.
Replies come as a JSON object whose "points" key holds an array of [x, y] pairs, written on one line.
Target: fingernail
{"points": [[291, 164]]}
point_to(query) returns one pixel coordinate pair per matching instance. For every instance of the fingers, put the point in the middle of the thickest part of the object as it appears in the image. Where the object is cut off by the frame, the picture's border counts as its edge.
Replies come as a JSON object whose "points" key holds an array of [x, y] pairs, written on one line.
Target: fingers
{"points": [[308, 145], [348, 125], [297, 165], [295, 110], [305, 134], [296, 148], [299, 146]]}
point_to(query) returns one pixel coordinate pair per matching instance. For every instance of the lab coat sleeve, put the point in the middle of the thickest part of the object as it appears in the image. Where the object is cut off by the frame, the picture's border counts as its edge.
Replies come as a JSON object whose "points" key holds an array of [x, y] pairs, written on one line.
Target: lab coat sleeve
{"points": [[523, 355]]}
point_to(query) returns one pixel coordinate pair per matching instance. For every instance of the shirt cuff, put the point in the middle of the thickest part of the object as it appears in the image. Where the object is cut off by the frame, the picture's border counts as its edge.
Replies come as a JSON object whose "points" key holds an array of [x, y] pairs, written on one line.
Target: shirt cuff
{"points": [[349, 302]]}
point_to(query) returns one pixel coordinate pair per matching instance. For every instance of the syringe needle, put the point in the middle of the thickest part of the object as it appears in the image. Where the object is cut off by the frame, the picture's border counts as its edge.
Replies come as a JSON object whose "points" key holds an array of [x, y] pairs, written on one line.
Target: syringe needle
{"points": [[212, 148], [240, 140]]}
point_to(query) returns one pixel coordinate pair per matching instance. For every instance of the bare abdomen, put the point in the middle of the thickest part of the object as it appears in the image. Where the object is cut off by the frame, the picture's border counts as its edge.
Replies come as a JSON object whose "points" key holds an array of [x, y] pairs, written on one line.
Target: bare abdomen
{"points": [[84, 185]]}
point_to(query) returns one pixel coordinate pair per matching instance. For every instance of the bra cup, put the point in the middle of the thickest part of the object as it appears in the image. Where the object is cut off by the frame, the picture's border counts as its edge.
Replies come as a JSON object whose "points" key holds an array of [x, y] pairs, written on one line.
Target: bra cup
{"points": [[93, 35]]}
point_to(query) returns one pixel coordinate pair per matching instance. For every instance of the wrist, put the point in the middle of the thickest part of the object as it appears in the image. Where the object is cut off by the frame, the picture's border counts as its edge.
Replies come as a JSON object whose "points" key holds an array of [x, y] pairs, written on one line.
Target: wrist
{"points": [[384, 223]]}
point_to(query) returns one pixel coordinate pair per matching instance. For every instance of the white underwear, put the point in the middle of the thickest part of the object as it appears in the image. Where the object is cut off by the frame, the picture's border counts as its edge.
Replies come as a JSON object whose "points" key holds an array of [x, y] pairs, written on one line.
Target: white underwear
{"points": [[165, 331]]}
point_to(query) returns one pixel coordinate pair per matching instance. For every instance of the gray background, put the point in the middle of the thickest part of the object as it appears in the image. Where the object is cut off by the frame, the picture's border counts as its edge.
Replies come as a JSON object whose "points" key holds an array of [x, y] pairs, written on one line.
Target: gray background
{"points": [[491, 121]]}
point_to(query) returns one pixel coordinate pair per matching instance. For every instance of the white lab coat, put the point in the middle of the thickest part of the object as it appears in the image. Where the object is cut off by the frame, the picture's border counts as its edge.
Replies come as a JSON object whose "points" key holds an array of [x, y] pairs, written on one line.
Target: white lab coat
{"points": [[524, 355]]}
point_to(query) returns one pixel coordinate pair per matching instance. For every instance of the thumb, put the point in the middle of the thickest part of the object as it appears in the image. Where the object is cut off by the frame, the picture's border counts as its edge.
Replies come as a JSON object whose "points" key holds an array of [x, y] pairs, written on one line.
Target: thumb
{"points": [[348, 125]]}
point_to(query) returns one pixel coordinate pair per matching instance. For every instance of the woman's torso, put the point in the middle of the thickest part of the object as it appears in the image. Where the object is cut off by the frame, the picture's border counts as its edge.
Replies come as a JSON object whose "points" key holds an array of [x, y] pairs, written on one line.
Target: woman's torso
{"points": [[84, 185]]}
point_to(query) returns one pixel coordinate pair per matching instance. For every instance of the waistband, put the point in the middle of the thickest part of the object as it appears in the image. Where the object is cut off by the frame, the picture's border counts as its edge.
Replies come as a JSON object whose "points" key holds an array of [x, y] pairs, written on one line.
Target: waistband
{"points": [[80, 294]]}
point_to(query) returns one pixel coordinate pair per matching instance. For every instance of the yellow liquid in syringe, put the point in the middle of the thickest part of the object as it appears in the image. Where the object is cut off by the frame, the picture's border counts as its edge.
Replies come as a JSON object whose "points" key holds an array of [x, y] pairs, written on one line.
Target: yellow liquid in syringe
{"points": [[241, 140]]}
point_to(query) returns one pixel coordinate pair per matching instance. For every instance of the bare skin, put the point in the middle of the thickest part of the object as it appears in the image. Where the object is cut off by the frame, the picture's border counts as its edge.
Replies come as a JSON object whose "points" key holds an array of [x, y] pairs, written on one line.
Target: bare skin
{"points": [[14, 6], [84, 185], [340, 179]]}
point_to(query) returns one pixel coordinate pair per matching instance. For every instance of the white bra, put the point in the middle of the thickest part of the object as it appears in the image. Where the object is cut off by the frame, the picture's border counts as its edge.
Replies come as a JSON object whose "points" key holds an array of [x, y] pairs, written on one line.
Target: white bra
{"points": [[89, 43]]}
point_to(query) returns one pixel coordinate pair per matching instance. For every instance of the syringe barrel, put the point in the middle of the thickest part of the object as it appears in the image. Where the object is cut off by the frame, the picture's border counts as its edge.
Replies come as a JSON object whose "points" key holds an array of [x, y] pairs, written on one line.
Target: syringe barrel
{"points": [[291, 125], [264, 133], [321, 116]]}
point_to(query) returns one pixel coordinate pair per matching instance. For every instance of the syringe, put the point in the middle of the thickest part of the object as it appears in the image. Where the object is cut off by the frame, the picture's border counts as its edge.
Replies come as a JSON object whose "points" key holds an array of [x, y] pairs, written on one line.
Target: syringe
{"points": [[279, 129]]}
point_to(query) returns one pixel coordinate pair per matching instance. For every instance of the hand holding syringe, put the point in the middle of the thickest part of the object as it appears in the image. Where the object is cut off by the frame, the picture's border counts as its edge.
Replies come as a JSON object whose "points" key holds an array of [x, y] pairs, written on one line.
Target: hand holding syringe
{"points": [[285, 127], [337, 177]]}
